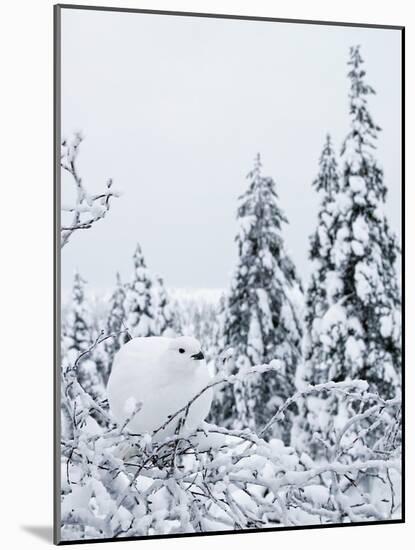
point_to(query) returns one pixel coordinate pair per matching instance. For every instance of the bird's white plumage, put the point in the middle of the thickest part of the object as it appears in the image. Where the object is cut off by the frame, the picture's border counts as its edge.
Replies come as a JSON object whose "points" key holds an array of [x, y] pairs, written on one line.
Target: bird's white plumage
{"points": [[163, 374]]}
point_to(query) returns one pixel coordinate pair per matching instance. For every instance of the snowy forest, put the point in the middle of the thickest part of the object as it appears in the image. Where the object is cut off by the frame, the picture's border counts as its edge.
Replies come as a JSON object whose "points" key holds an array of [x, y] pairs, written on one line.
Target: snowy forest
{"points": [[305, 424]]}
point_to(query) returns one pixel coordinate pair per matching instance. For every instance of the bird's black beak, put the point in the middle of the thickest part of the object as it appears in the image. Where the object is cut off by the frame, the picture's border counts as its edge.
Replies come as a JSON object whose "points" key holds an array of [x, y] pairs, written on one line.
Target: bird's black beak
{"points": [[198, 356]]}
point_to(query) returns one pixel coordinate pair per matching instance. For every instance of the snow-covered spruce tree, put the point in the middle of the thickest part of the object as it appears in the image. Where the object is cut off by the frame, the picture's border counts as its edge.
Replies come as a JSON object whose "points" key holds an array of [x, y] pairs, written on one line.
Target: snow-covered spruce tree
{"points": [[79, 337], [360, 330], [222, 411], [115, 324], [353, 302], [139, 300], [327, 184], [208, 330], [219, 326], [66, 340], [262, 320], [78, 321], [165, 321]]}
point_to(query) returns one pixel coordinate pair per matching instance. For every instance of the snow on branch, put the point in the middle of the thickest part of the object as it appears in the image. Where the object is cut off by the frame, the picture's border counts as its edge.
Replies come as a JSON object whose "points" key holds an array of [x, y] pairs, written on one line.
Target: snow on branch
{"points": [[118, 484], [88, 208], [336, 387]]}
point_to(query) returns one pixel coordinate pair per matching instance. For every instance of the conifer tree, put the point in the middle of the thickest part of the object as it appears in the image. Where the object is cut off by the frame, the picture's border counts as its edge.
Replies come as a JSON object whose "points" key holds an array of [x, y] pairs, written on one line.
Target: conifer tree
{"points": [[327, 184], [67, 362], [115, 324], [222, 408], [360, 330], [165, 322], [262, 321], [79, 336], [78, 322], [353, 301], [139, 301]]}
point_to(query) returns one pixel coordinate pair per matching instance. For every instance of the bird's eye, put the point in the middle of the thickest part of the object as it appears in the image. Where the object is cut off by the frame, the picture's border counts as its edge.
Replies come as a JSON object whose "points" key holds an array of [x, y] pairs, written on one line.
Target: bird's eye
{"points": [[181, 350]]}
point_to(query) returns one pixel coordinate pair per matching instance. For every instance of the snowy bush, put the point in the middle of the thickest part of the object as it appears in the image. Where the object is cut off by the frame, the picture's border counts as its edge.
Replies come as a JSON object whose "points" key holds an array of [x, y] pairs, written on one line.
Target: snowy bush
{"points": [[117, 484]]}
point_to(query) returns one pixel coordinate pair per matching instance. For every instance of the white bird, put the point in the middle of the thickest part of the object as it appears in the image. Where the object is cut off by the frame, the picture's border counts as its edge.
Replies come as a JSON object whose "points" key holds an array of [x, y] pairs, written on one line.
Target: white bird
{"points": [[163, 374]]}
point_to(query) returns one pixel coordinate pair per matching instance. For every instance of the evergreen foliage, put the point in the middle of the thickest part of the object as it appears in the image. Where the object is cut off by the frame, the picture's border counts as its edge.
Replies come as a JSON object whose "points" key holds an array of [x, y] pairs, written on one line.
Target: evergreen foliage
{"points": [[327, 184], [360, 330], [80, 336], [262, 321], [115, 323], [165, 319], [353, 300], [139, 300]]}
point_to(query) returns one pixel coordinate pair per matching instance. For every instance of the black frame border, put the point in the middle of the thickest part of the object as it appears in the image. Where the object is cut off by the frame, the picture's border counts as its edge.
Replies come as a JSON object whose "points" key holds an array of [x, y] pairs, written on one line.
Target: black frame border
{"points": [[57, 11]]}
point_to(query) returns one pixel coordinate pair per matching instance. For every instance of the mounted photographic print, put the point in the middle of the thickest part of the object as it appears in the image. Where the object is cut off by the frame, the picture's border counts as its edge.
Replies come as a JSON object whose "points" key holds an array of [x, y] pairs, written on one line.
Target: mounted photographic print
{"points": [[228, 207]]}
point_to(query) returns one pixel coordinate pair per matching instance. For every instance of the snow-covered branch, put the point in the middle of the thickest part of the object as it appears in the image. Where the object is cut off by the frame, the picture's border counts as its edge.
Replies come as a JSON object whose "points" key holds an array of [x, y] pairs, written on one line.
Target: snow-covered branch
{"points": [[87, 208], [127, 484]]}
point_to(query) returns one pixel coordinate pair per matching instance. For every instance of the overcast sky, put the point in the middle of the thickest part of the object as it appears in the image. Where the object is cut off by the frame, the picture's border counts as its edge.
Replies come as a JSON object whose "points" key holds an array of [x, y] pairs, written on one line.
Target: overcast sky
{"points": [[174, 109]]}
